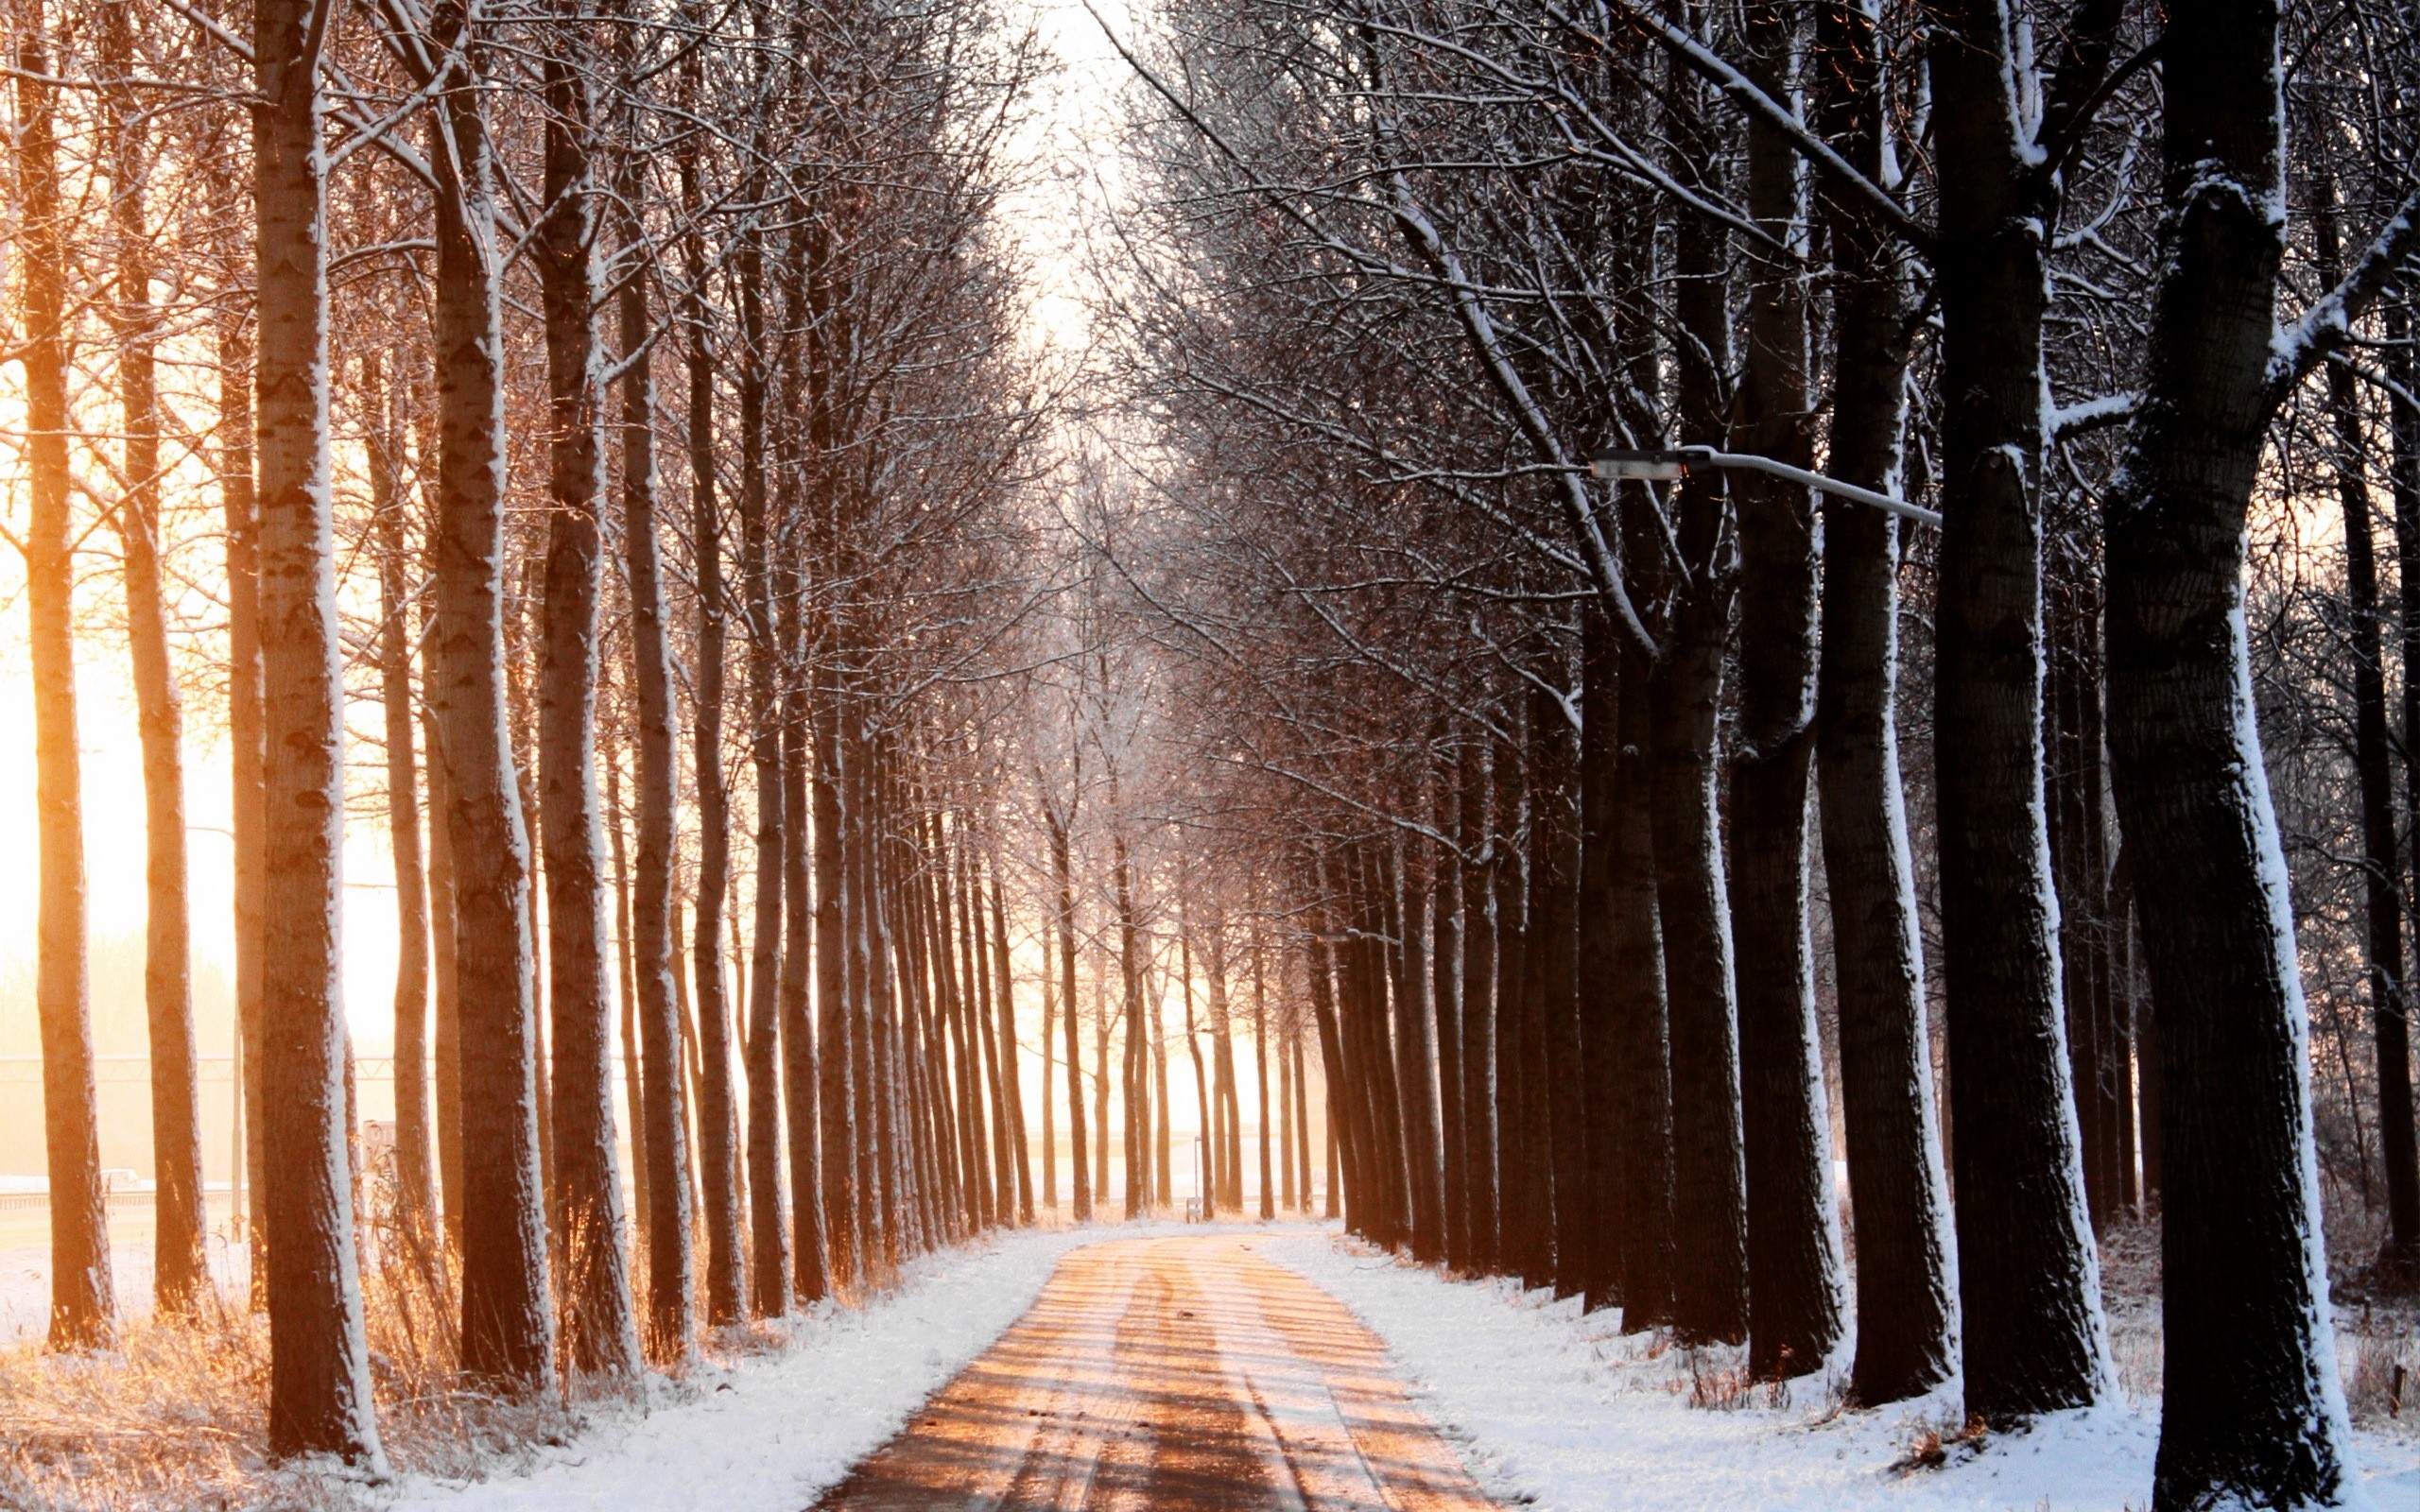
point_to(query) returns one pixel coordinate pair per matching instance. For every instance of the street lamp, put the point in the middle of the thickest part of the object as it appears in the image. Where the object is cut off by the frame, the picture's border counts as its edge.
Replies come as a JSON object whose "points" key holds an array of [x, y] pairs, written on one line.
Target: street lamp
{"points": [[1663, 465]]}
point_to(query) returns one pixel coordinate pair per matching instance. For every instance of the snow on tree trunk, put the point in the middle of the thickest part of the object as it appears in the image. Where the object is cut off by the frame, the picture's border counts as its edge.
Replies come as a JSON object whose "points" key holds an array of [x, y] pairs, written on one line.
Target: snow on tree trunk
{"points": [[811, 1272], [770, 1220], [1553, 1089], [1906, 1319], [1482, 933], [727, 1244], [671, 1260], [2394, 1039], [1794, 1280], [1606, 1071], [600, 1330], [1448, 944], [507, 1323], [2252, 1411], [319, 1394], [2028, 1274], [1415, 1056], [1644, 1055], [835, 1185], [1709, 1218]]}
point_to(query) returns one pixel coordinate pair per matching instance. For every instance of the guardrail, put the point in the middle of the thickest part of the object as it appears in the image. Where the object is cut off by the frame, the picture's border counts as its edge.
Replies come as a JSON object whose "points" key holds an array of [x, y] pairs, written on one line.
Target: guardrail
{"points": [[40, 1201]]}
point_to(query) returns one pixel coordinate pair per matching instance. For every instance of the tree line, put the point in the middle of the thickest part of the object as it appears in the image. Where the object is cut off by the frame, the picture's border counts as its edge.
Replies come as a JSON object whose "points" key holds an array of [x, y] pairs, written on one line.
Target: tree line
{"points": [[629, 407], [1595, 796]]}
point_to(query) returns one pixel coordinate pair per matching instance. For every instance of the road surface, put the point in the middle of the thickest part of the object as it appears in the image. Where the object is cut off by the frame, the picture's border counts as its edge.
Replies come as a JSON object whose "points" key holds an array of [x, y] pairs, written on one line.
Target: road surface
{"points": [[1173, 1375]]}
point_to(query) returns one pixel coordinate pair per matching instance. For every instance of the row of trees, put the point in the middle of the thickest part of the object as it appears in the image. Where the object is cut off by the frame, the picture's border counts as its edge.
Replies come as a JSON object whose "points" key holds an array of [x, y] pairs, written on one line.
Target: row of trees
{"points": [[1550, 765], [628, 406]]}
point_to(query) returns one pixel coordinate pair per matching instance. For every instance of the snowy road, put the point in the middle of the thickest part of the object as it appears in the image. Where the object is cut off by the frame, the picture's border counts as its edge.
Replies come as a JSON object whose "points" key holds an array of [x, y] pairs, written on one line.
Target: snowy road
{"points": [[1181, 1374]]}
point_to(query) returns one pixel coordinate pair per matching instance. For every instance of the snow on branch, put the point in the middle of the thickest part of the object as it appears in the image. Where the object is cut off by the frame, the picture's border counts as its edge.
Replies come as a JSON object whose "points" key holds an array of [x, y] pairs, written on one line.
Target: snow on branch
{"points": [[1480, 327], [1710, 66], [2302, 346], [2067, 421]]}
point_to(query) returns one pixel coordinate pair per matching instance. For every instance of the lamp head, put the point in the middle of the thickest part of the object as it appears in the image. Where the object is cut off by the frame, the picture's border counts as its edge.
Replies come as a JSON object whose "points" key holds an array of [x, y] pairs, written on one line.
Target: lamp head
{"points": [[1651, 465]]}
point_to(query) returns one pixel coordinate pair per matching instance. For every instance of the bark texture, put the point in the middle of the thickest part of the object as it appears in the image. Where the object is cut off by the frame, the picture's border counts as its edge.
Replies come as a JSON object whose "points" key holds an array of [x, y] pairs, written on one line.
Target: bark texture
{"points": [[2253, 1412]]}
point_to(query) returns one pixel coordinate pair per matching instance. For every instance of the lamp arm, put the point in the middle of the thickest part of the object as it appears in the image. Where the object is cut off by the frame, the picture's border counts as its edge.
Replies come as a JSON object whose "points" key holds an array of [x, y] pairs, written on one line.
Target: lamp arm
{"points": [[1742, 461]]}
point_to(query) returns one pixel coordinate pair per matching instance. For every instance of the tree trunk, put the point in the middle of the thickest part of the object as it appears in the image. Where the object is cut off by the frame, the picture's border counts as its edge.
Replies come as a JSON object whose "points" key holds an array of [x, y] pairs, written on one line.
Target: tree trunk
{"points": [[600, 1330], [1138, 1119], [984, 1024], [801, 1075], [445, 1032], [837, 1183], [672, 1308], [1795, 1281], [769, 1220], [180, 1275], [82, 1304], [1605, 1070], [1100, 1080], [2394, 1039], [1483, 931], [1063, 874], [2253, 1413], [1346, 1198], [1302, 1116], [1163, 1108], [2028, 1279], [1709, 1220], [415, 1178], [240, 508], [1223, 1073], [1009, 1081], [1260, 1063], [1641, 1031], [726, 1246], [1416, 1057], [872, 947], [1906, 1320], [320, 1395], [634, 1082], [1561, 1078], [2079, 860], [1371, 1020], [508, 1326], [1447, 945], [1050, 1052], [1512, 1143], [1709, 1217], [1289, 1128], [1201, 1095]]}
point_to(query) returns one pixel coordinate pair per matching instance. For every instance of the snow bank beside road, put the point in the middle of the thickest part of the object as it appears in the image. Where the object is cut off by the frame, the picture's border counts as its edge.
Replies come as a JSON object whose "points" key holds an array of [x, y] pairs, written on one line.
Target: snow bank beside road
{"points": [[773, 1434], [1558, 1410]]}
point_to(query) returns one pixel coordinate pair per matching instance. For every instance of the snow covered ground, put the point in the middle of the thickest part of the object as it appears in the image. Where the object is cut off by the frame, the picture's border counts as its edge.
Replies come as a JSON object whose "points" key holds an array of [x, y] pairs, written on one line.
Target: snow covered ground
{"points": [[25, 1283], [774, 1432], [1558, 1410]]}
